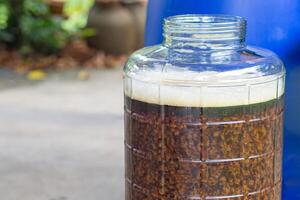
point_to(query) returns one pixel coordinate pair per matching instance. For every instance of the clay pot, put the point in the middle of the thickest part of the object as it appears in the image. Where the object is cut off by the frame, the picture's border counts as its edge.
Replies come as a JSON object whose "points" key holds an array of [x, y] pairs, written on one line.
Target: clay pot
{"points": [[115, 28], [138, 10]]}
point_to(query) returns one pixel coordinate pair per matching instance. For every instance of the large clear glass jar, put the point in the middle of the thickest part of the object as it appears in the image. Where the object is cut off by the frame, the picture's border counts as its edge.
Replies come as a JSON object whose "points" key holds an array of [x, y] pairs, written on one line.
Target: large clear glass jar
{"points": [[203, 114]]}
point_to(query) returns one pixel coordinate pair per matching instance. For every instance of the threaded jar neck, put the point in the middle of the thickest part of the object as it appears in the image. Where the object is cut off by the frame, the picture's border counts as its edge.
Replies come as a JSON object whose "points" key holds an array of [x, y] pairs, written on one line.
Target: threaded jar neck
{"points": [[205, 32]]}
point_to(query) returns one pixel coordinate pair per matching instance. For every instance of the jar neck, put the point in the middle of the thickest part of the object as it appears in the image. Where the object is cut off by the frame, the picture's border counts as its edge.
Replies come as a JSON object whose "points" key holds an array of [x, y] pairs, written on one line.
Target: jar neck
{"points": [[204, 33]]}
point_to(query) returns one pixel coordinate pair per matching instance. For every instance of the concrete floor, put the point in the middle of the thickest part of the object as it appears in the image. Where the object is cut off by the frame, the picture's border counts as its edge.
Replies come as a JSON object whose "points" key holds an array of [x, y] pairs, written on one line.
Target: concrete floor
{"points": [[62, 139]]}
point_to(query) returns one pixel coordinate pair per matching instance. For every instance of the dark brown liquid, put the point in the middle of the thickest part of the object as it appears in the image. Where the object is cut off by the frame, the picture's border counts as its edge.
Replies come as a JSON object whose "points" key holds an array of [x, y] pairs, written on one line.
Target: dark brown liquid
{"points": [[203, 153]]}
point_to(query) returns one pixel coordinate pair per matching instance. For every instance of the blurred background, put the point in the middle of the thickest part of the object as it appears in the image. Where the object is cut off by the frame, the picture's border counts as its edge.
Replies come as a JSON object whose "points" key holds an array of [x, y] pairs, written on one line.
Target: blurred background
{"points": [[61, 96]]}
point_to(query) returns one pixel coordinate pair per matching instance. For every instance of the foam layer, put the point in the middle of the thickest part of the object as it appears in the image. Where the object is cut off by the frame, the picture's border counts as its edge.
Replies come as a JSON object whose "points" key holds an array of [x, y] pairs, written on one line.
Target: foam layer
{"points": [[208, 89]]}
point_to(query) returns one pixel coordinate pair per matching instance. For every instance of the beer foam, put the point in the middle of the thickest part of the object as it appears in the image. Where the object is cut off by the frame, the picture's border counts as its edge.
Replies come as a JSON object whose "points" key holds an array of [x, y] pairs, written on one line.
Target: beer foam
{"points": [[206, 89]]}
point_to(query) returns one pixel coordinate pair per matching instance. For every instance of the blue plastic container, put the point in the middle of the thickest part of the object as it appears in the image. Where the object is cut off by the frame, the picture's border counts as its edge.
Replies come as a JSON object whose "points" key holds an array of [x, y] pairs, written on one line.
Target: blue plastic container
{"points": [[272, 24]]}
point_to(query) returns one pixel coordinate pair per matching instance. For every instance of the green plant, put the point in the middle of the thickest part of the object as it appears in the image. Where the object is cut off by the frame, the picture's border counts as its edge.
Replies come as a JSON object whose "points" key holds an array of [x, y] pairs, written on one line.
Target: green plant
{"points": [[4, 13], [30, 26], [77, 14]]}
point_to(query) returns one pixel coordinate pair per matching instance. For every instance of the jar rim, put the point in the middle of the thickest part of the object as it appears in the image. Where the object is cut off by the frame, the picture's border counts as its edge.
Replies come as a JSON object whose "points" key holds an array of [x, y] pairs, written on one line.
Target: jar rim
{"points": [[207, 28], [205, 21]]}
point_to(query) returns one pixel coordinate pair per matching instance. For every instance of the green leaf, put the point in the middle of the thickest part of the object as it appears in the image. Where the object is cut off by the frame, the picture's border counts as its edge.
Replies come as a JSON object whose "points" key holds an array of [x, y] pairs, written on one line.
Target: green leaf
{"points": [[36, 7], [4, 15], [77, 14]]}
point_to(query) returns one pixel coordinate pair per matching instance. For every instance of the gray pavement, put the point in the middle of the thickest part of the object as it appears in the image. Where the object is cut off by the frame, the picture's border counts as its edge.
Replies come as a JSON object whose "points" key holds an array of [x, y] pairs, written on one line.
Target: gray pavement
{"points": [[62, 139]]}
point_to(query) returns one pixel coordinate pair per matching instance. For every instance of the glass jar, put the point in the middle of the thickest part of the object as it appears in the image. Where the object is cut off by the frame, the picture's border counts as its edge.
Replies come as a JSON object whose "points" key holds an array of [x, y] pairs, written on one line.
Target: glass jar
{"points": [[203, 114]]}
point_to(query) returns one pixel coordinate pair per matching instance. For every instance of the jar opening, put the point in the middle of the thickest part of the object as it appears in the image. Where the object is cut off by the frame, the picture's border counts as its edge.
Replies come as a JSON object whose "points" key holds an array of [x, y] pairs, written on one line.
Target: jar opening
{"points": [[194, 21], [205, 27]]}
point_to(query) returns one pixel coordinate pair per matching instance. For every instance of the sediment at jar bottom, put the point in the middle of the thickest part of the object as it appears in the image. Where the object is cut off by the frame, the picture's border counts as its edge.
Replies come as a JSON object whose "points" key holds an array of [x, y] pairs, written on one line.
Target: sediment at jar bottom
{"points": [[203, 153]]}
